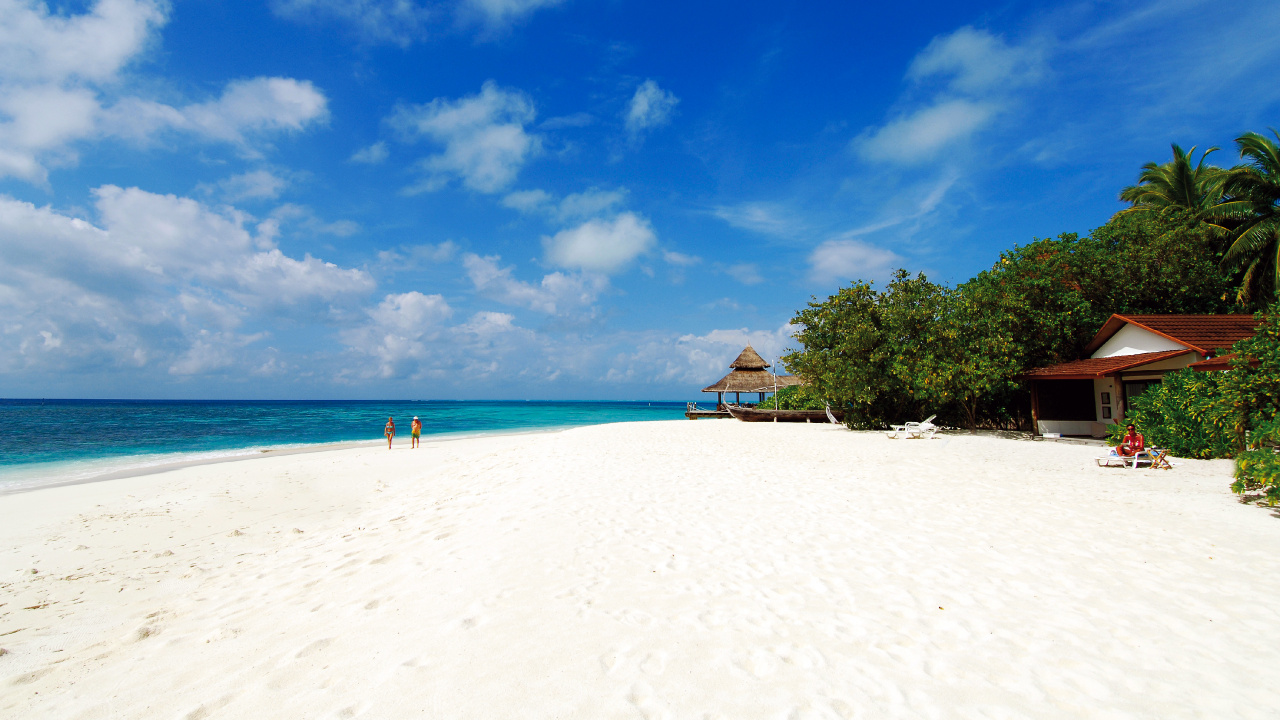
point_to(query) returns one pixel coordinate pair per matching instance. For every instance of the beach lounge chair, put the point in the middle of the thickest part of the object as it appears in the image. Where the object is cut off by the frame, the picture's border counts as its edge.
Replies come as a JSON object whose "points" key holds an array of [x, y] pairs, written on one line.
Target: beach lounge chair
{"points": [[896, 432], [922, 430]]}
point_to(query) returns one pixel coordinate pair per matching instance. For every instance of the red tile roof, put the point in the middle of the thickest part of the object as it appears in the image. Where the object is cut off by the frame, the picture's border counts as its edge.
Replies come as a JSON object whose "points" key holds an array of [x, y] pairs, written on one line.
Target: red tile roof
{"points": [[1222, 362], [1099, 367], [1202, 333]]}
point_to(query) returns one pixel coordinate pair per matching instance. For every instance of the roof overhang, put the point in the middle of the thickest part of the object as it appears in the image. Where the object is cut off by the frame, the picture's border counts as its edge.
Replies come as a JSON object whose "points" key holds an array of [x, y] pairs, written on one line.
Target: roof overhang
{"points": [[1093, 368]]}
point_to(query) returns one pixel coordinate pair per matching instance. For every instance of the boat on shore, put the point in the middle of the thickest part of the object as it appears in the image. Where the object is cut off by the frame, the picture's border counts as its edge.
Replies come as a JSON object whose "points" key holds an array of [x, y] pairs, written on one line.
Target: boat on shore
{"points": [[757, 414]]}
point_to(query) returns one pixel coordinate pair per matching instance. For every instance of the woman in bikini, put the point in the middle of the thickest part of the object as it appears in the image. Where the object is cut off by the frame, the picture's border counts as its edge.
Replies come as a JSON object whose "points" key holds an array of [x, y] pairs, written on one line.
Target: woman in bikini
{"points": [[389, 431]]}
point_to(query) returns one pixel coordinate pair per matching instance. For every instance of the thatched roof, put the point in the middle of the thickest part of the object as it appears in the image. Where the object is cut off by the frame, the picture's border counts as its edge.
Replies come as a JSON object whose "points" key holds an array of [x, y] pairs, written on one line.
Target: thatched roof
{"points": [[749, 376], [749, 360], [752, 381]]}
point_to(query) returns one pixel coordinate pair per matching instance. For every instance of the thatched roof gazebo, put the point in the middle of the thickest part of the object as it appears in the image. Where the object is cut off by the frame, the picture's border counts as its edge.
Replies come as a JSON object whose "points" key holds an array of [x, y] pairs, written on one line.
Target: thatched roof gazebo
{"points": [[748, 375]]}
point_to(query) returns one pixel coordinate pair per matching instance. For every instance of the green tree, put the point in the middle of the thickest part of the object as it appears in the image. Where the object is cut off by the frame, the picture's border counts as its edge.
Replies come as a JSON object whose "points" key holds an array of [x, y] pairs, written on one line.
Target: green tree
{"points": [[1252, 204], [842, 355], [1177, 185]]}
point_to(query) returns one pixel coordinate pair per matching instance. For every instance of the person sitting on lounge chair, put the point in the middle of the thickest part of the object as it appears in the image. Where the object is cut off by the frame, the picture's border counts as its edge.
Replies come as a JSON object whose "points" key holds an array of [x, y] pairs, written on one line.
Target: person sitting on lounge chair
{"points": [[1132, 444]]}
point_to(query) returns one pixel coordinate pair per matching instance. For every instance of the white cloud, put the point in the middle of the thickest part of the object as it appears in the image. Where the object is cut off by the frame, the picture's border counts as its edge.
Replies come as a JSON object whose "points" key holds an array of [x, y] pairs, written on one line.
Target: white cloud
{"points": [[850, 259], [922, 134], [650, 107], [680, 259], [762, 217], [37, 47], [402, 22], [305, 221], [400, 331], [695, 360], [246, 107], [484, 138], [160, 279], [60, 83], [975, 73], [527, 201], [557, 293], [503, 12], [975, 62], [372, 155], [601, 245], [592, 202], [395, 21], [256, 184]]}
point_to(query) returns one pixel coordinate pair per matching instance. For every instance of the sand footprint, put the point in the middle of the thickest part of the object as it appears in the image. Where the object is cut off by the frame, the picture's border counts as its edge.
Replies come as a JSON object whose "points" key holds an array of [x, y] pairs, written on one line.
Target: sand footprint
{"points": [[655, 663], [314, 648], [647, 702], [614, 659]]}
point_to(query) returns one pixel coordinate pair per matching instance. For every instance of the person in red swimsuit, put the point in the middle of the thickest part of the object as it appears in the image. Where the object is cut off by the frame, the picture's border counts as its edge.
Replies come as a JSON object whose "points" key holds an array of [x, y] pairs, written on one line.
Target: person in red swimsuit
{"points": [[1132, 443]]}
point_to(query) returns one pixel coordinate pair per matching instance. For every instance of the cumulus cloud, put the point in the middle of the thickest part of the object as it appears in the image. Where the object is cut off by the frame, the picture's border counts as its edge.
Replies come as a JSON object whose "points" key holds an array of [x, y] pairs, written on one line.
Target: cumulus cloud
{"points": [[845, 259], [650, 107], [604, 246], [483, 137], [400, 331], [157, 277], [60, 84], [965, 79], [557, 293]]}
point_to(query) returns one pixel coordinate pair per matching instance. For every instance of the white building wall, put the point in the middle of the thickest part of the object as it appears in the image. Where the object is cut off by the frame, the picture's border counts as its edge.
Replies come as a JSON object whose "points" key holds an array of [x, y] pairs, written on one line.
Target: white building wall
{"points": [[1131, 340]]}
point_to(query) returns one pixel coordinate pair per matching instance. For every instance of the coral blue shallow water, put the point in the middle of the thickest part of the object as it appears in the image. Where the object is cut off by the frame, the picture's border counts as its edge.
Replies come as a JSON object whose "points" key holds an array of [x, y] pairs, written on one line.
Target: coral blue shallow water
{"points": [[50, 441]]}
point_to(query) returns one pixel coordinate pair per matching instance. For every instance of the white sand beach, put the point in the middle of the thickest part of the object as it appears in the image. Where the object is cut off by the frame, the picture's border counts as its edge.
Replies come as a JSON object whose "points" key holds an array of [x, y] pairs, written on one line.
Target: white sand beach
{"points": [[708, 569]]}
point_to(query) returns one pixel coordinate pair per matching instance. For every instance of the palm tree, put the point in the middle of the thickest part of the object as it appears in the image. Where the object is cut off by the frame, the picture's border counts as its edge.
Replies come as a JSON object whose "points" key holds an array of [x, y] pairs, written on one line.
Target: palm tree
{"points": [[1252, 204], [1177, 185]]}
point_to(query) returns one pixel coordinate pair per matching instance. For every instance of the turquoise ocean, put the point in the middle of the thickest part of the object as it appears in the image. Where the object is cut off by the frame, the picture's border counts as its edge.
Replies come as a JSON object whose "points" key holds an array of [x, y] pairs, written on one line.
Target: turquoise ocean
{"points": [[46, 442]]}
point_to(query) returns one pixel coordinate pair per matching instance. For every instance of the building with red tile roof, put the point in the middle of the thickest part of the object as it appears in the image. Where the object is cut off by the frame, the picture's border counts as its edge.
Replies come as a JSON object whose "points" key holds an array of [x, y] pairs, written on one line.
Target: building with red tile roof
{"points": [[1129, 354]]}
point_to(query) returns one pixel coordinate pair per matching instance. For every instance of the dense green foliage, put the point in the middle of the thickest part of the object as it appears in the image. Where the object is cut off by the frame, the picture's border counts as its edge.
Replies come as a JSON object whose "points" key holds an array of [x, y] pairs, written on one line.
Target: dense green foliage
{"points": [[799, 397], [1258, 471], [1185, 414], [917, 348]]}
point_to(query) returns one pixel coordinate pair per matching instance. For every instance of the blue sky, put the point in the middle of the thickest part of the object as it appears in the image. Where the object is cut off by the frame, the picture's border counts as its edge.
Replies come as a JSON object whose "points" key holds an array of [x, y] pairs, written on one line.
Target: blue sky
{"points": [[549, 198]]}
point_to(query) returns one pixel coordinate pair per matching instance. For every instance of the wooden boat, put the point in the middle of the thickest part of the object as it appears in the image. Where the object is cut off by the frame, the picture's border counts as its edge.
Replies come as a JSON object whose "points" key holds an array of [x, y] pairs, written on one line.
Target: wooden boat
{"points": [[756, 414]]}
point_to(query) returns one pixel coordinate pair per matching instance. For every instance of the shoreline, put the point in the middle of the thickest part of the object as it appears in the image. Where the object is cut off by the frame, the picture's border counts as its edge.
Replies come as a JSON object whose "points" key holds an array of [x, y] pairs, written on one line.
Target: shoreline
{"points": [[252, 452]]}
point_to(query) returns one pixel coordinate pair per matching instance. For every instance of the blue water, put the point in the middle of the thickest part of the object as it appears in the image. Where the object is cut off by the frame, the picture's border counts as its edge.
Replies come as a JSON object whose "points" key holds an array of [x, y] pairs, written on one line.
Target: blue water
{"points": [[51, 441]]}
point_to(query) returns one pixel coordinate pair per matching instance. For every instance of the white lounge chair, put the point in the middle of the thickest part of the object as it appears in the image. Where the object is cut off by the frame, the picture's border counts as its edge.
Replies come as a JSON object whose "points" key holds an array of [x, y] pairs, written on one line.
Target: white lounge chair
{"points": [[918, 430]]}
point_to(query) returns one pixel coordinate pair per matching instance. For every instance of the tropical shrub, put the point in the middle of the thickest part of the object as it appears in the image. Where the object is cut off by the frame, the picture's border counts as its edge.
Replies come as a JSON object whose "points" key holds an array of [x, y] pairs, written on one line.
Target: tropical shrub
{"points": [[798, 397], [1258, 471], [1187, 415]]}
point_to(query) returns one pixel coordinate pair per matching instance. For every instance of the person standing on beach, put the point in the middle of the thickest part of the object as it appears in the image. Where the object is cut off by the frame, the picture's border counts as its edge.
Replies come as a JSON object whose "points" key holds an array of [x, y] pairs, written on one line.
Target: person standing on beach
{"points": [[389, 431], [416, 429]]}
